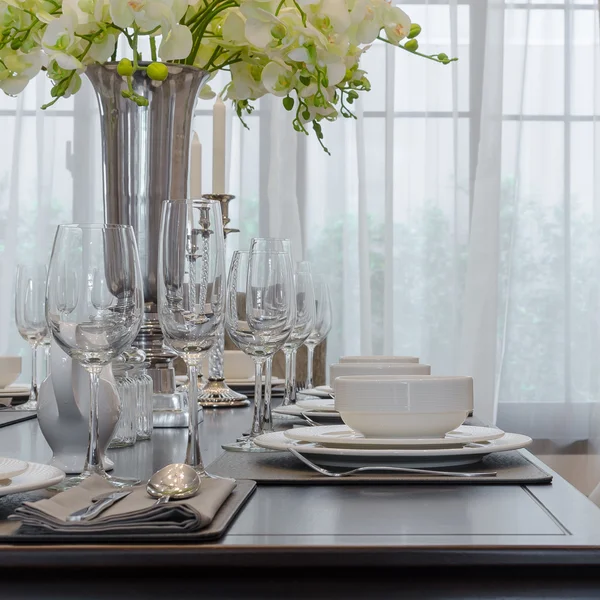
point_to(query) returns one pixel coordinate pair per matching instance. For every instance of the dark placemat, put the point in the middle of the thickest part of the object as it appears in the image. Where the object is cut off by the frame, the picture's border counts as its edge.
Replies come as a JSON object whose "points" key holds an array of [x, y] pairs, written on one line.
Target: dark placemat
{"points": [[276, 468], [12, 532], [9, 417]]}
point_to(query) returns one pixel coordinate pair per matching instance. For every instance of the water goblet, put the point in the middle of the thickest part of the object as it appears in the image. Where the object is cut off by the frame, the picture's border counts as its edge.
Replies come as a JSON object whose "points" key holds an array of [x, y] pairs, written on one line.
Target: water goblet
{"points": [[322, 324], [259, 317], [305, 319], [191, 293], [30, 316], [92, 332]]}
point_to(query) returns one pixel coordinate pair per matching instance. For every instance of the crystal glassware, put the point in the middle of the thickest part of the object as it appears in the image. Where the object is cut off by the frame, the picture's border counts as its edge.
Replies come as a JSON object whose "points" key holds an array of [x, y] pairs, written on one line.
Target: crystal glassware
{"points": [[305, 320], [125, 431], [94, 304], [30, 316], [191, 293], [322, 324], [259, 317]]}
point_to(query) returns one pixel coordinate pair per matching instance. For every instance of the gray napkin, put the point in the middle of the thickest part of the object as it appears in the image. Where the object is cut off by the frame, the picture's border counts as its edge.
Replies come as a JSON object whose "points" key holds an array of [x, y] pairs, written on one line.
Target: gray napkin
{"points": [[137, 513]]}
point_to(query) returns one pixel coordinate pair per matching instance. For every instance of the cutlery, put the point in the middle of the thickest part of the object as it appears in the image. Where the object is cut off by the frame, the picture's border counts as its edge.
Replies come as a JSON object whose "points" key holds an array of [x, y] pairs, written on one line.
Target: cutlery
{"points": [[177, 481], [385, 468], [100, 504]]}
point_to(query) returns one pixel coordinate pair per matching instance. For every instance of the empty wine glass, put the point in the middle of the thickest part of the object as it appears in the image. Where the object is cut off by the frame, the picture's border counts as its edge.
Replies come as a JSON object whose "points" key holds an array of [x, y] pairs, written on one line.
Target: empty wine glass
{"points": [[191, 293], [30, 316], [259, 317], [322, 324], [305, 319], [90, 331]]}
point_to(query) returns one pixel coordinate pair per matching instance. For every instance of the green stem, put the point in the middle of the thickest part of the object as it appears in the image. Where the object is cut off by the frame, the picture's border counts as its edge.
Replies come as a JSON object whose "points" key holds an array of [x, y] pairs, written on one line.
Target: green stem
{"points": [[433, 57], [153, 53]]}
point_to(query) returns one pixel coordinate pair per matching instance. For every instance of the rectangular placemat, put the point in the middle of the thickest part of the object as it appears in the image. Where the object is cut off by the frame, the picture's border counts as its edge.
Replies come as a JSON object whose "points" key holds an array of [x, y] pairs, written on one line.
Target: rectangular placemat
{"points": [[12, 533], [9, 417], [276, 468]]}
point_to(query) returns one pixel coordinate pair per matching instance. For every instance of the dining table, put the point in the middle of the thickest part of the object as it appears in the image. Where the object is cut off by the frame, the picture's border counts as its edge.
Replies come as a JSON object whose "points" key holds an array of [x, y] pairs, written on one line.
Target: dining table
{"points": [[422, 540]]}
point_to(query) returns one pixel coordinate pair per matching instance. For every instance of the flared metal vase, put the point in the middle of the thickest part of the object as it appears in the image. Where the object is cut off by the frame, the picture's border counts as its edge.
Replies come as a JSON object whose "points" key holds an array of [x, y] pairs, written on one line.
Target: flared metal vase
{"points": [[145, 155]]}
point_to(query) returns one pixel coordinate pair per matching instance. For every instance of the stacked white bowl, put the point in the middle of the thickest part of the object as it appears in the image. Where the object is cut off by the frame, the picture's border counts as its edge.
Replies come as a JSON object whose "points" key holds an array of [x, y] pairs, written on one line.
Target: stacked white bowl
{"points": [[403, 406], [379, 359], [376, 368]]}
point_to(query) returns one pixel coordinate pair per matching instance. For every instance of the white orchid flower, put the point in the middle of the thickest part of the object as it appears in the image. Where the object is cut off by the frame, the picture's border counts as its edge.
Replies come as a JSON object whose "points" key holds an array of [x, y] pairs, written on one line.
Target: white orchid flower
{"points": [[102, 48], [244, 86], [59, 42], [20, 70], [177, 44], [277, 78], [259, 24], [396, 24]]}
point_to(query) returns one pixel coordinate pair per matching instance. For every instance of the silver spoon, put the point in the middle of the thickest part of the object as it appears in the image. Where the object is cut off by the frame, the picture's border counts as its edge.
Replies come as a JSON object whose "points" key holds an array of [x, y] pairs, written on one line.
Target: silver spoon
{"points": [[384, 468], [177, 481]]}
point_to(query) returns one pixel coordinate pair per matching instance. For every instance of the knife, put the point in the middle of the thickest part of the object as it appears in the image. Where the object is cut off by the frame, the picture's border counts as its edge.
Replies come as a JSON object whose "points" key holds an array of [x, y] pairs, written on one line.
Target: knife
{"points": [[90, 512]]}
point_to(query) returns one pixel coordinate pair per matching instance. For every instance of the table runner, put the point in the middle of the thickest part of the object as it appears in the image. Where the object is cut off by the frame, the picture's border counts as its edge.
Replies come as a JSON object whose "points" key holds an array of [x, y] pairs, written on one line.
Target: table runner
{"points": [[278, 468]]}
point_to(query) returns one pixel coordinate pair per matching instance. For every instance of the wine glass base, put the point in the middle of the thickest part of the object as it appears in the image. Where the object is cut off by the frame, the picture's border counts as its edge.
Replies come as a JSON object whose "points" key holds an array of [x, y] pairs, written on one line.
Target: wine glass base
{"points": [[247, 445], [75, 480]]}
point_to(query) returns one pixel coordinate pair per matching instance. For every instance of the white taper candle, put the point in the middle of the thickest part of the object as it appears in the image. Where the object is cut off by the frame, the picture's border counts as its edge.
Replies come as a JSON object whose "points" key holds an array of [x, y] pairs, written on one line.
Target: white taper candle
{"points": [[219, 147], [196, 168]]}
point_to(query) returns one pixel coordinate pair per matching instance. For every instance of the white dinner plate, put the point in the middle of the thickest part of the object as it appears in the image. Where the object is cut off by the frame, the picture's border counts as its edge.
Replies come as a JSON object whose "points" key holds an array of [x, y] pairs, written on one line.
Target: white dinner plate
{"points": [[11, 467], [317, 404], [295, 411], [36, 477], [341, 436], [319, 393], [408, 457]]}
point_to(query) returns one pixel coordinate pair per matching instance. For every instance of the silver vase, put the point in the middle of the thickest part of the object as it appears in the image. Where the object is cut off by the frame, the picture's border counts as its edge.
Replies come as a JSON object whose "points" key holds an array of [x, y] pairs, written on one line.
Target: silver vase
{"points": [[145, 155]]}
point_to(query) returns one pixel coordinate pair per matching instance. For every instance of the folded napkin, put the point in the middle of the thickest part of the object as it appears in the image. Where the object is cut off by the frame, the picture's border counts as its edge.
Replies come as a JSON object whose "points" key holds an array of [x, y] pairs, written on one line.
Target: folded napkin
{"points": [[136, 513]]}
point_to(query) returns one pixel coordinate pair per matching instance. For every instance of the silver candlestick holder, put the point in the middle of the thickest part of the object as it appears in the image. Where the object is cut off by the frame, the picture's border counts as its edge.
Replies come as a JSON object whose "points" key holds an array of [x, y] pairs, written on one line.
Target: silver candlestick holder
{"points": [[216, 393]]}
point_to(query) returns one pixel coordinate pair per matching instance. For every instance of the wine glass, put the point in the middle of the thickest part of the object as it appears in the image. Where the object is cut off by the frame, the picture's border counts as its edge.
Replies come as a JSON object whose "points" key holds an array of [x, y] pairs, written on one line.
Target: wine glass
{"points": [[259, 317], [30, 316], [191, 293], [269, 245], [305, 319], [322, 324], [93, 319]]}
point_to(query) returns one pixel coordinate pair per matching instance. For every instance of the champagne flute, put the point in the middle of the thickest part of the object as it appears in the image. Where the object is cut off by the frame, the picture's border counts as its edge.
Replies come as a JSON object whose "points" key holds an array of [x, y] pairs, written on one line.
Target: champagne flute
{"points": [[191, 293], [322, 324], [30, 317], [259, 317], [305, 319], [90, 331]]}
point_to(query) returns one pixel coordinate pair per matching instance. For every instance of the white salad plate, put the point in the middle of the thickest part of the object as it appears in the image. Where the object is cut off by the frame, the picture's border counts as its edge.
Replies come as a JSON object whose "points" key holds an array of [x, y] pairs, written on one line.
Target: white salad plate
{"points": [[316, 392], [36, 477], [317, 404], [11, 467], [293, 410], [406, 457], [341, 436]]}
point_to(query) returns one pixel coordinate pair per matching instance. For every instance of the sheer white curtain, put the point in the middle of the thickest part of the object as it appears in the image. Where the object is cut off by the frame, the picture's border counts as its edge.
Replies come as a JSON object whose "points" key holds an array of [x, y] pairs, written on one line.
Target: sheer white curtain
{"points": [[456, 219]]}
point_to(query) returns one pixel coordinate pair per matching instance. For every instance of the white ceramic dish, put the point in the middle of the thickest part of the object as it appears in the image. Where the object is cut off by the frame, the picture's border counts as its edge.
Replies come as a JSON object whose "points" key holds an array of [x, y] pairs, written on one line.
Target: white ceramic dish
{"points": [[318, 416], [378, 368], [379, 359], [10, 369], [314, 392], [11, 467], [407, 457], [341, 436], [15, 391], [36, 477], [317, 404], [390, 406]]}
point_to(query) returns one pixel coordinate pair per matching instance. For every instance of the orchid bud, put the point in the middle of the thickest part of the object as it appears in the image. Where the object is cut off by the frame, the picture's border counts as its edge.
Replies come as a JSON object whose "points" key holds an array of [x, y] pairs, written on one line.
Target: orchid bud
{"points": [[125, 67], [278, 31], [415, 30], [288, 103], [441, 56], [157, 71], [412, 45]]}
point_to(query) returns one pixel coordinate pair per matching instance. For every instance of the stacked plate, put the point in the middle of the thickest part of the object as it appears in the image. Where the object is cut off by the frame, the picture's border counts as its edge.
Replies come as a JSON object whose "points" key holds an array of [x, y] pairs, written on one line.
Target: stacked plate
{"points": [[344, 447], [20, 476], [16, 393]]}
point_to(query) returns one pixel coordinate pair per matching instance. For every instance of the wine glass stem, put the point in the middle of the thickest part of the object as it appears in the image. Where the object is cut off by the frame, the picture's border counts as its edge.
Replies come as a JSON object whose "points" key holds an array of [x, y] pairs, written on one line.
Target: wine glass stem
{"points": [[194, 455], [293, 377], [309, 366], [258, 404], [93, 464], [33, 394], [47, 359], [287, 397], [267, 417]]}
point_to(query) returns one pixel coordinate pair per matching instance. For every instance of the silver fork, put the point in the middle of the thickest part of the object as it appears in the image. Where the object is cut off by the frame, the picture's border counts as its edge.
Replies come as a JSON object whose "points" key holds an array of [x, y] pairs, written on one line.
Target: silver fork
{"points": [[385, 468]]}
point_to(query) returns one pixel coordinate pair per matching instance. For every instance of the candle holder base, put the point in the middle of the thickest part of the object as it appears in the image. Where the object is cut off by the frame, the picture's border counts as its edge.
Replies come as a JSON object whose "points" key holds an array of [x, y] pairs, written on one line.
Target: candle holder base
{"points": [[217, 394]]}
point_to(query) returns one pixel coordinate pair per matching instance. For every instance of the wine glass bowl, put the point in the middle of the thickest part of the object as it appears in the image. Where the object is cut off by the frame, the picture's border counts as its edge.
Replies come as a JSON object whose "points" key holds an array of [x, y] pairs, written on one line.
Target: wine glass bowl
{"points": [[322, 323]]}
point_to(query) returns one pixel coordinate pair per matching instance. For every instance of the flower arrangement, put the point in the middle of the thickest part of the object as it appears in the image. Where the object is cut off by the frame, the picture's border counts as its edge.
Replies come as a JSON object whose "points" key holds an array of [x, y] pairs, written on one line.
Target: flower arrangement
{"points": [[305, 51]]}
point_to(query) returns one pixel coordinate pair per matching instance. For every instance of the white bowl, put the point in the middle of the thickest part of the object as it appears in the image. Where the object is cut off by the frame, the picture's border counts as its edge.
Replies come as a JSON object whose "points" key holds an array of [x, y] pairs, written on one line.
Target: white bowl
{"points": [[354, 369], [379, 359], [403, 405], [10, 369]]}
